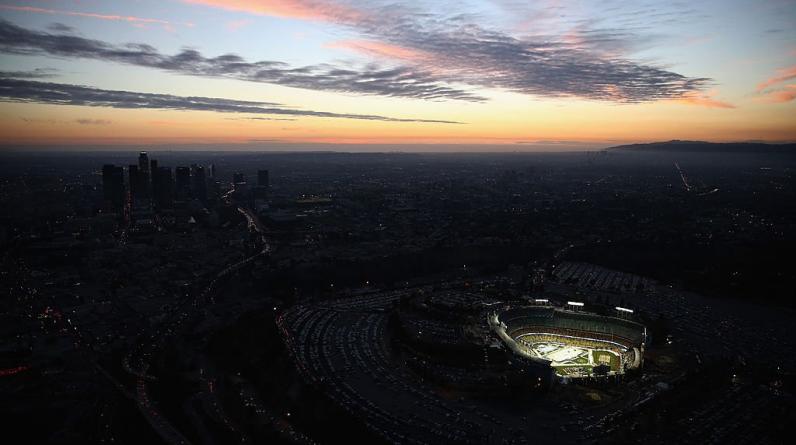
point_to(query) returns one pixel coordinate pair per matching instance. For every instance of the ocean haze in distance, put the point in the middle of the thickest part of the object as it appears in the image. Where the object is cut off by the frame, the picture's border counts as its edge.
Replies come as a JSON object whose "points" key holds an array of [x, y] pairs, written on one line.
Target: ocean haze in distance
{"points": [[674, 146]]}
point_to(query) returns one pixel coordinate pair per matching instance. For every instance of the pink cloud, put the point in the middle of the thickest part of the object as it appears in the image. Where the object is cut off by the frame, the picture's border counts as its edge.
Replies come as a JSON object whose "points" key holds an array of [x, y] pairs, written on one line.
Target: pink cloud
{"points": [[786, 94], [381, 49], [120, 18], [703, 100], [781, 76], [318, 10], [547, 65]]}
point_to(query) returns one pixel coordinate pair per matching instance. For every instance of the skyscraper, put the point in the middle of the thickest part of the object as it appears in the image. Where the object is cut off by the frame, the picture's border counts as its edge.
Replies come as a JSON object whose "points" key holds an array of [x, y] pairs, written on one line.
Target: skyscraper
{"points": [[199, 183], [163, 187], [113, 187], [143, 162], [142, 191], [153, 179], [134, 181], [240, 187], [182, 180]]}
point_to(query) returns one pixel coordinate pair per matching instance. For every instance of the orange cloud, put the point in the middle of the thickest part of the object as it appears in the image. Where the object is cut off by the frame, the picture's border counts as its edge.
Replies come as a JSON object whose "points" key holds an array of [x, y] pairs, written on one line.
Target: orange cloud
{"points": [[703, 100], [319, 10], [782, 76], [380, 49], [119, 18], [780, 96]]}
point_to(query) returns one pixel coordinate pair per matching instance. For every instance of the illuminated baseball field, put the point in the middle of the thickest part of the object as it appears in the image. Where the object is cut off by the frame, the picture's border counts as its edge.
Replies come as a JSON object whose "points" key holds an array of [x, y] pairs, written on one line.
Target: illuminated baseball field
{"points": [[574, 344]]}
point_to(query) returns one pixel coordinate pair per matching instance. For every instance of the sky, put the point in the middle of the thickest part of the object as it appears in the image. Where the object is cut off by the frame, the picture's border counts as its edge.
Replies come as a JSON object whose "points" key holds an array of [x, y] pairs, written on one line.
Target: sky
{"points": [[506, 75]]}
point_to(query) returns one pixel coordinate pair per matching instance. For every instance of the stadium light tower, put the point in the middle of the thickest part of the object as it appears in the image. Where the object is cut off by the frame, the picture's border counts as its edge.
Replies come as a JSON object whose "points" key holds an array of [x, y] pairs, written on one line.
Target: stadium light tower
{"points": [[624, 312], [575, 305]]}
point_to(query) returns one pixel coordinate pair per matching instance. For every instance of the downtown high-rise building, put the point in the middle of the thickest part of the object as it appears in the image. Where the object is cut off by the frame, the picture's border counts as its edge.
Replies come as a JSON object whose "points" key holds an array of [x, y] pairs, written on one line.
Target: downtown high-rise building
{"points": [[113, 188], [198, 183], [182, 183], [143, 162], [163, 188], [134, 181]]}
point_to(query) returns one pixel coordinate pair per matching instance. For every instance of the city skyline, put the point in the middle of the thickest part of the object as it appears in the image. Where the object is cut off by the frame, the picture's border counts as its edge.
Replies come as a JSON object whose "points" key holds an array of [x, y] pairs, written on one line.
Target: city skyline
{"points": [[496, 75]]}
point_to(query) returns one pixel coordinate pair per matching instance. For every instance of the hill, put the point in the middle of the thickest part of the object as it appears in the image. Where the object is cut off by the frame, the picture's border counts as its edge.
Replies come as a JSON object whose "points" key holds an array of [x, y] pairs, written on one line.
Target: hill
{"points": [[708, 147]]}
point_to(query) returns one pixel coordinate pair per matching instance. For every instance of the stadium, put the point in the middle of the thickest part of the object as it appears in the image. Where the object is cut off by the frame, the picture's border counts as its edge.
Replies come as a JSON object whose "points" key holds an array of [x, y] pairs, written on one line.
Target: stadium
{"points": [[575, 344]]}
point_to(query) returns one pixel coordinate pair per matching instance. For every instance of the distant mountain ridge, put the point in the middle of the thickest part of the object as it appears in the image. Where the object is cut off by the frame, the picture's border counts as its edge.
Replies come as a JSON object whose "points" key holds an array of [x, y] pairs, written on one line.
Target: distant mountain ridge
{"points": [[709, 147]]}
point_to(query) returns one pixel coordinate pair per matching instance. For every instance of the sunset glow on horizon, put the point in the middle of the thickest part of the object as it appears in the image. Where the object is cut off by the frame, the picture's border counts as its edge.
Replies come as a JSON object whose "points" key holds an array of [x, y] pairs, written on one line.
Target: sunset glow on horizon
{"points": [[521, 75]]}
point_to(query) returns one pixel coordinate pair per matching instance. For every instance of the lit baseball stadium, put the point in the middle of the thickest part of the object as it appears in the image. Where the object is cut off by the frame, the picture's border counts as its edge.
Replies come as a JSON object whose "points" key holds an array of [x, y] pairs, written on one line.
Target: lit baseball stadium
{"points": [[574, 344]]}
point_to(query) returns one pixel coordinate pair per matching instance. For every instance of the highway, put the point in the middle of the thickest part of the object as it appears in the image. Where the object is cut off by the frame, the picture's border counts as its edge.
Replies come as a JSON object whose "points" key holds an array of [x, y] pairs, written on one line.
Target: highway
{"points": [[144, 352], [683, 177]]}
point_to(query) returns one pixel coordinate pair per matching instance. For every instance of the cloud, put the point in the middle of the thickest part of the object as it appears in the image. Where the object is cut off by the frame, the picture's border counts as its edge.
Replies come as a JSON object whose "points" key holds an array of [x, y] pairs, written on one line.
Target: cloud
{"points": [[785, 94], [782, 75], [27, 91], [405, 82], [38, 73], [117, 18], [260, 119], [380, 49], [60, 27], [433, 58], [704, 100], [585, 63], [585, 66], [32, 120], [265, 140], [93, 121], [76, 121], [317, 10]]}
